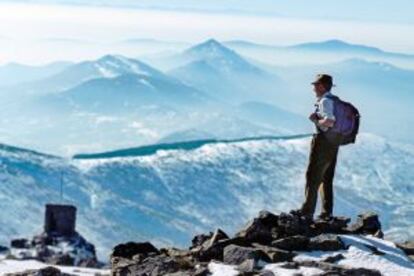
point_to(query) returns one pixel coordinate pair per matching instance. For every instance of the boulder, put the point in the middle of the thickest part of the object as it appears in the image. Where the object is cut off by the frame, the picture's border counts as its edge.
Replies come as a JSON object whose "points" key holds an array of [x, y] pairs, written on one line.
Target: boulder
{"points": [[249, 266], [333, 259], [235, 255], [198, 240], [336, 225], [275, 254], [407, 247], [53, 248], [326, 242], [291, 225], [367, 223], [150, 266], [20, 243], [217, 236], [130, 249], [262, 229], [214, 251], [292, 243]]}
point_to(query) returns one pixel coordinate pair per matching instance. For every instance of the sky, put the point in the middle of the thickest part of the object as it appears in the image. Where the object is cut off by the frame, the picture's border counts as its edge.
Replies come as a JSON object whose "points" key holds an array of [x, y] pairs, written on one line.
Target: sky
{"points": [[41, 31]]}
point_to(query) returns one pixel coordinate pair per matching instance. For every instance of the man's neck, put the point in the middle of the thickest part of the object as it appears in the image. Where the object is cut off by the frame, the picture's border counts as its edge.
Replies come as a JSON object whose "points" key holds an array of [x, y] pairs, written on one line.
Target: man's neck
{"points": [[324, 94]]}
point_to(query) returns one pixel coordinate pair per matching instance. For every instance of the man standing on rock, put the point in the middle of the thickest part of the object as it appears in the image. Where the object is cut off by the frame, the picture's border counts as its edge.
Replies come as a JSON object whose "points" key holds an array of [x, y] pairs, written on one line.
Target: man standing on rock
{"points": [[323, 153]]}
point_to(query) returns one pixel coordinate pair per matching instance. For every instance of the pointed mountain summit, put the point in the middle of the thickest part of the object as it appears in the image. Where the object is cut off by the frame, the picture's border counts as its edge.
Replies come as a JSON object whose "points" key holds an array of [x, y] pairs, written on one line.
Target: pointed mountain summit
{"points": [[224, 74], [219, 56], [211, 48]]}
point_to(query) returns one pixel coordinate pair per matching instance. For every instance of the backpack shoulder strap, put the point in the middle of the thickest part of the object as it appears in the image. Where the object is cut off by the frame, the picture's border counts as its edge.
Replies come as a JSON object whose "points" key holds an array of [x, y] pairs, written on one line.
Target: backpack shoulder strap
{"points": [[333, 97]]}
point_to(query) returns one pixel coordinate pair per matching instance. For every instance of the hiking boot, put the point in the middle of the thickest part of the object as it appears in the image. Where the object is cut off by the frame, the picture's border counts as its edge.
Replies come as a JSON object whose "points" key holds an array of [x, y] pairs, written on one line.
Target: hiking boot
{"points": [[298, 213], [325, 217]]}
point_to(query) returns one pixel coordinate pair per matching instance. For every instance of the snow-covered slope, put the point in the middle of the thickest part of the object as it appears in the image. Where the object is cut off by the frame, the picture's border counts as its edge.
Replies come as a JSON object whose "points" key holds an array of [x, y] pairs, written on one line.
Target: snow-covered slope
{"points": [[166, 194], [108, 66]]}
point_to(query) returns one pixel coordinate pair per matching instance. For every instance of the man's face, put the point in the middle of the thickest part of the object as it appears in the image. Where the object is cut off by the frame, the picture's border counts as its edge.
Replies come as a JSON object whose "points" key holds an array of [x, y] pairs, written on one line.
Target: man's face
{"points": [[319, 89]]}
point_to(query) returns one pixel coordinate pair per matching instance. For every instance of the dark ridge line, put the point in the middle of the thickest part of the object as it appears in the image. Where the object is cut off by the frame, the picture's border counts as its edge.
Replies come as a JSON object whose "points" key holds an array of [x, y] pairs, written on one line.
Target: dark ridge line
{"points": [[25, 150], [187, 145]]}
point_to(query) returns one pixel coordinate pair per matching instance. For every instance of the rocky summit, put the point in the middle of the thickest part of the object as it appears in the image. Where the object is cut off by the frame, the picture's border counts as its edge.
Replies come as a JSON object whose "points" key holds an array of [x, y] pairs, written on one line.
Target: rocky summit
{"points": [[266, 239], [269, 244]]}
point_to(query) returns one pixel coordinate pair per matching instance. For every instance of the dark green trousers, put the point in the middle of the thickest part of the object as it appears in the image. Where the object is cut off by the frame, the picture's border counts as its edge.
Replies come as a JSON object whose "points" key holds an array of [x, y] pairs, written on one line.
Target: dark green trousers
{"points": [[319, 175]]}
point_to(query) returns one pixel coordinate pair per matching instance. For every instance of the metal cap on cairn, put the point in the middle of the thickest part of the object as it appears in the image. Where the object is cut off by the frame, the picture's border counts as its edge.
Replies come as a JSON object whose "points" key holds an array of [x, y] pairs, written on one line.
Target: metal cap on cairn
{"points": [[60, 219]]}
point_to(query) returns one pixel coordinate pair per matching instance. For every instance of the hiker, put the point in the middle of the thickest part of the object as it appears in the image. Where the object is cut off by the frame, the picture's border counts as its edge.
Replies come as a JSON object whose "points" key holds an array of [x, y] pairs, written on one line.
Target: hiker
{"points": [[325, 145]]}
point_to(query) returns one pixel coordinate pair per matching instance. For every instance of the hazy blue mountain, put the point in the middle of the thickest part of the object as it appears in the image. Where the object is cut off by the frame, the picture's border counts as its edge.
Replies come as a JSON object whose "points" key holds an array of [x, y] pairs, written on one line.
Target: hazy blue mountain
{"points": [[336, 45], [167, 193], [328, 51], [128, 92], [15, 73], [108, 66], [224, 74]]}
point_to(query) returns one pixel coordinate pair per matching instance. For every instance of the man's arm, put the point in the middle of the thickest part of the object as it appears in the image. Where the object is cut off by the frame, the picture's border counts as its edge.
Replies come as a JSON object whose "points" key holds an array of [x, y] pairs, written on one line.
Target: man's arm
{"points": [[327, 114], [326, 122]]}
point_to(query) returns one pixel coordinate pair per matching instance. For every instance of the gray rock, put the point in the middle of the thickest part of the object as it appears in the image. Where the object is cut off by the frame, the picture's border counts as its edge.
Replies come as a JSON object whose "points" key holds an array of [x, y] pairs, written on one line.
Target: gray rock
{"points": [[208, 251], [276, 255], [262, 229], [130, 249], [20, 243], [334, 258], [235, 255], [407, 247], [292, 243], [336, 225], [367, 223], [292, 225], [218, 235], [326, 242], [198, 240], [151, 266]]}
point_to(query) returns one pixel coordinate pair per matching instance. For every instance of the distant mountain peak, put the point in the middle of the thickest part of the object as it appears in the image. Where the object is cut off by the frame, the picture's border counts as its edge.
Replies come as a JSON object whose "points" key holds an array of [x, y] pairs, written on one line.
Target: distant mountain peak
{"points": [[215, 54], [211, 48], [336, 44]]}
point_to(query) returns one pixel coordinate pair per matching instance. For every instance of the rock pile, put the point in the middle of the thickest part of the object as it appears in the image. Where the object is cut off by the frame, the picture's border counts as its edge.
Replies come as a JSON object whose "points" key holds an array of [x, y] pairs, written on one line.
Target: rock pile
{"points": [[59, 244], [268, 238]]}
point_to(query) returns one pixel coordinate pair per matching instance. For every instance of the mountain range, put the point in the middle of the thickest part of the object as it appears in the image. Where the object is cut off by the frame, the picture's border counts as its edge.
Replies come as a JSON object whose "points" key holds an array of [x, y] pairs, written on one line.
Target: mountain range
{"points": [[211, 88], [166, 193]]}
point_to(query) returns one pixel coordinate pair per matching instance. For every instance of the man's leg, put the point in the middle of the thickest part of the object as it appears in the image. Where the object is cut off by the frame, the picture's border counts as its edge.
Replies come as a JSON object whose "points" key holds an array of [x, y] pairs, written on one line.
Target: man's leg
{"points": [[326, 190], [317, 166]]}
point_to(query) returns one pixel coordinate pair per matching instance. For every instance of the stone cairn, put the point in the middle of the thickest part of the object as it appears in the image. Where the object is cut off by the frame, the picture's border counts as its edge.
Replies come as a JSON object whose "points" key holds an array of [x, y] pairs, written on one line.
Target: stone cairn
{"points": [[59, 243]]}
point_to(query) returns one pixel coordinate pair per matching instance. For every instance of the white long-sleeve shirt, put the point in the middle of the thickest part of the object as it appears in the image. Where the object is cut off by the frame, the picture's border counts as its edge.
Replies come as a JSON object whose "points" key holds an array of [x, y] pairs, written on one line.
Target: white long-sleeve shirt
{"points": [[325, 109]]}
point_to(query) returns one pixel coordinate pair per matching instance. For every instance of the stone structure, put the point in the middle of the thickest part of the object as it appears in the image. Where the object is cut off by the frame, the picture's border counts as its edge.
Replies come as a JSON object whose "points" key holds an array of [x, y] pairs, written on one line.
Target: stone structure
{"points": [[60, 219]]}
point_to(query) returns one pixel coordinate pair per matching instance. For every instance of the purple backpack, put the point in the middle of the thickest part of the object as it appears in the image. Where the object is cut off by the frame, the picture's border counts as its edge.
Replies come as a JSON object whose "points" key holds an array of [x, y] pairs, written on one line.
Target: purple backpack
{"points": [[347, 121]]}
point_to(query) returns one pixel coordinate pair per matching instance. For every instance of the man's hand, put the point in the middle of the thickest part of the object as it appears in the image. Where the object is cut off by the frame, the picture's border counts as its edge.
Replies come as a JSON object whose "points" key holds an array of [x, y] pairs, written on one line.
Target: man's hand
{"points": [[313, 117], [326, 122]]}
